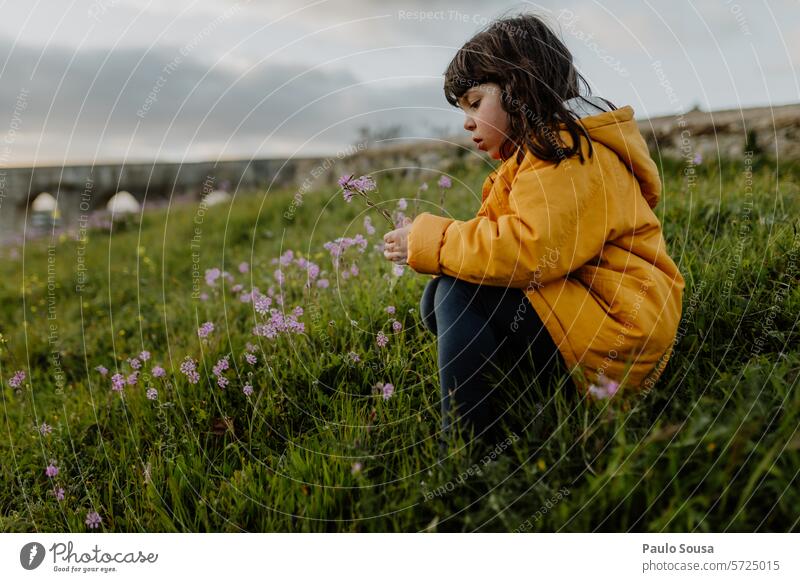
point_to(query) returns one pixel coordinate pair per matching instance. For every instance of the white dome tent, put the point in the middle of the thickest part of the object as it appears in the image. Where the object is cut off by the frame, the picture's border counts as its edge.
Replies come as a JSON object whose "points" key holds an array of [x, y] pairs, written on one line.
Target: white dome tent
{"points": [[44, 209], [45, 202], [123, 204], [217, 197]]}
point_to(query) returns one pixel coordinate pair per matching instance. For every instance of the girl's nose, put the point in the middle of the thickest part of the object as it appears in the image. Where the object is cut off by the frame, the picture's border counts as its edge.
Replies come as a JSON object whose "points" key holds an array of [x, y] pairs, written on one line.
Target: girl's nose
{"points": [[469, 123]]}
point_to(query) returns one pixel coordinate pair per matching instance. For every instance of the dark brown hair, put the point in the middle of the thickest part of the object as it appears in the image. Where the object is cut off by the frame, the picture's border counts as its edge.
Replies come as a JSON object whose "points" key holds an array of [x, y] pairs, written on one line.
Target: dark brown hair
{"points": [[536, 74]]}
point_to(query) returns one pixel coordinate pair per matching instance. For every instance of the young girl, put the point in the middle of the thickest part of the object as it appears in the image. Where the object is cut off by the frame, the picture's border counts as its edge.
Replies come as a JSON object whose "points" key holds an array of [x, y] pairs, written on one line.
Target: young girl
{"points": [[565, 258]]}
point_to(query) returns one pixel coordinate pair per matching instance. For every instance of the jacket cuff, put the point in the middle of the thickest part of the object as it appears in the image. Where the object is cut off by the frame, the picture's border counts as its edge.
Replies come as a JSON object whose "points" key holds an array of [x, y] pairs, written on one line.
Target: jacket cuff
{"points": [[425, 242]]}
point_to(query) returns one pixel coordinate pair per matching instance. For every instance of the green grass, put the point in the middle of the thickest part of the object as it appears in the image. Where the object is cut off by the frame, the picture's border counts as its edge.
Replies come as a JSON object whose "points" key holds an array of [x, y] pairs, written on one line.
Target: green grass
{"points": [[712, 447]]}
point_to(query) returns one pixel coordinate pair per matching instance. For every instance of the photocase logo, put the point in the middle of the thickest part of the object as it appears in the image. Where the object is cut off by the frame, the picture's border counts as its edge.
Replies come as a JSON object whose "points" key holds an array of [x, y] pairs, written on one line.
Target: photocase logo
{"points": [[31, 555]]}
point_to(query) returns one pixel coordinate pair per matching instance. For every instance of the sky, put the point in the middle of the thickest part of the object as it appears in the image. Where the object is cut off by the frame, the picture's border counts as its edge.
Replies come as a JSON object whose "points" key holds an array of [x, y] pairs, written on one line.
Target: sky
{"points": [[104, 81]]}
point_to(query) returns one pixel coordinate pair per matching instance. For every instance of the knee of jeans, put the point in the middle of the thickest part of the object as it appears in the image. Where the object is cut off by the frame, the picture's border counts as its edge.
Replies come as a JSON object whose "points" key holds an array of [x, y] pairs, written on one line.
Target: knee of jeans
{"points": [[454, 293], [426, 311]]}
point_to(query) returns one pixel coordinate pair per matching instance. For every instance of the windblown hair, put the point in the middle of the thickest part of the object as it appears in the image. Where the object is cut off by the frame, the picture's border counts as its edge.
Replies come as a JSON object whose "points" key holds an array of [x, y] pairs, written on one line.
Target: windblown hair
{"points": [[536, 74]]}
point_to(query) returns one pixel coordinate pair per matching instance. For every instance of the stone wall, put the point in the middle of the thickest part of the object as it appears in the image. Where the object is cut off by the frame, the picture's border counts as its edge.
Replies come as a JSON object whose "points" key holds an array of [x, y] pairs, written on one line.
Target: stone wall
{"points": [[774, 131]]}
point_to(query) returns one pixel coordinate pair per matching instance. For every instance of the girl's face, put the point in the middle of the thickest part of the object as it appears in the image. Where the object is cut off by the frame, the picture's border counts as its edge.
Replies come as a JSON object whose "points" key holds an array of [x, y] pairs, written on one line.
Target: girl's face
{"points": [[485, 117]]}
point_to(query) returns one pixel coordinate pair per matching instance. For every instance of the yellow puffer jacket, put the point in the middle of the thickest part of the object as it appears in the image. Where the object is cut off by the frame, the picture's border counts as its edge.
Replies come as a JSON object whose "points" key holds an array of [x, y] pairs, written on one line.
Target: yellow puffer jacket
{"points": [[583, 241]]}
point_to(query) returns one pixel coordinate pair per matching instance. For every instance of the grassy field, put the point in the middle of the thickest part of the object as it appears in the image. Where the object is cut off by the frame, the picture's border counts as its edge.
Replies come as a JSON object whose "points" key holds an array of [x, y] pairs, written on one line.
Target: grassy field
{"points": [[316, 446]]}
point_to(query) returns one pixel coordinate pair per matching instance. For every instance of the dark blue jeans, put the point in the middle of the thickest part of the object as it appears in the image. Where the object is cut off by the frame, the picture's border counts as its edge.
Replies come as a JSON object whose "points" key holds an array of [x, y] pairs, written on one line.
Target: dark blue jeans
{"points": [[479, 327]]}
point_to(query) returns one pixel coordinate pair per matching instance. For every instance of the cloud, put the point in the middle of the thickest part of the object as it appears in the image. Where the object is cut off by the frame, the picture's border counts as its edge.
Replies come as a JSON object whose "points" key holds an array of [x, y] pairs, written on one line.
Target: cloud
{"points": [[98, 105], [273, 77]]}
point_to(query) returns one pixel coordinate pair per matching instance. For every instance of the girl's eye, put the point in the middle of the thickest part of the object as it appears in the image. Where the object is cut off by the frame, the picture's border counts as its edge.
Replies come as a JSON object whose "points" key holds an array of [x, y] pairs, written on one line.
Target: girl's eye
{"points": [[474, 105]]}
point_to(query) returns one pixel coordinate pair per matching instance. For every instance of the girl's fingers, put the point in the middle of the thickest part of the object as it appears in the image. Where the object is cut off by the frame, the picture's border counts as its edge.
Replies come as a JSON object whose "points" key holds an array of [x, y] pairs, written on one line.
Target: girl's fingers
{"points": [[394, 256]]}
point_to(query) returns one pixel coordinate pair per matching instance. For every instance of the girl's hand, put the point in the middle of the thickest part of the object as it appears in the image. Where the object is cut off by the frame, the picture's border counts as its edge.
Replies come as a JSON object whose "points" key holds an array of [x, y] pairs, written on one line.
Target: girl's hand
{"points": [[396, 243]]}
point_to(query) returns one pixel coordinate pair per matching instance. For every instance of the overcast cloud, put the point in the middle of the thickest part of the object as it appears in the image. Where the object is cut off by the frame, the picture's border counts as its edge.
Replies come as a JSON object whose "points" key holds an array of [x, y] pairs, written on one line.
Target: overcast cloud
{"points": [[263, 78]]}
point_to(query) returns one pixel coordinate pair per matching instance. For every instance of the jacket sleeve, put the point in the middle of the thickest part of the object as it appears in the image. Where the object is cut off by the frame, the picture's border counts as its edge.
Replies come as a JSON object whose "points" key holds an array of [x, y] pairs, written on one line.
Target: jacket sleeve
{"points": [[557, 220]]}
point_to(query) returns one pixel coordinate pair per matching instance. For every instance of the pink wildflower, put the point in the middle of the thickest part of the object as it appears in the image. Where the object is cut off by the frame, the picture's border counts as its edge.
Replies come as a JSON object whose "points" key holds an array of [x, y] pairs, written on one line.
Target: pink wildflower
{"points": [[381, 339], [205, 329], [189, 369], [117, 382], [212, 275], [16, 380], [93, 519]]}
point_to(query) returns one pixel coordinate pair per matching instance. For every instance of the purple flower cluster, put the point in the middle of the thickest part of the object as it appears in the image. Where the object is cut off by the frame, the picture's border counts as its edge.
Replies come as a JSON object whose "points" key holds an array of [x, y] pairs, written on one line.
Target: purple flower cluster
{"points": [[93, 519], [189, 369], [261, 302], [219, 371], [205, 329], [117, 382], [351, 186], [213, 274], [280, 323], [16, 380], [368, 225], [606, 390], [152, 393], [288, 259], [381, 339], [51, 470], [337, 247], [444, 182], [385, 390]]}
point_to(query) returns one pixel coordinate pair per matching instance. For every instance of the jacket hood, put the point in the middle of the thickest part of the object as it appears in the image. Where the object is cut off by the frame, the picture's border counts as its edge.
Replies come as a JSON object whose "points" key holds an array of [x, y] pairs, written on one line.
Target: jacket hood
{"points": [[618, 131]]}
